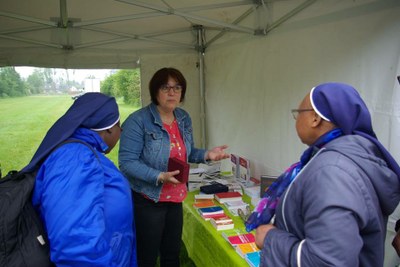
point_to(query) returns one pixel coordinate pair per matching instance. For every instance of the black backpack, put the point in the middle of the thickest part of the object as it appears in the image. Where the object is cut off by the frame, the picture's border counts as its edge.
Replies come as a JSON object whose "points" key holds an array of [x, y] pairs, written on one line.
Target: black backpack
{"points": [[23, 239]]}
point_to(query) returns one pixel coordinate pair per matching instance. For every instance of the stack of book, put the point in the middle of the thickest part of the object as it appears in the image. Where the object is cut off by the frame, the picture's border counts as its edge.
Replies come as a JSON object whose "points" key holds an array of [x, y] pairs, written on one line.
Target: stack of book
{"points": [[253, 191], [203, 196], [222, 223], [244, 244], [234, 206], [228, 196], [235, 186], [211, 212], [203, 203]]}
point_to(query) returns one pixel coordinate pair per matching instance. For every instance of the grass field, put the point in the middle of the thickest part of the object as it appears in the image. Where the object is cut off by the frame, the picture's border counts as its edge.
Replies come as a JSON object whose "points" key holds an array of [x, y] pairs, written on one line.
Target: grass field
{"points": [[25, 121]]}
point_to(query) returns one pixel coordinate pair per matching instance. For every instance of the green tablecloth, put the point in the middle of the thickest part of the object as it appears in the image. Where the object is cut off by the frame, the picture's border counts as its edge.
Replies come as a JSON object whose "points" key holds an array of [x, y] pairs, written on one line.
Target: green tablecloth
{"points": [[205, 245]]}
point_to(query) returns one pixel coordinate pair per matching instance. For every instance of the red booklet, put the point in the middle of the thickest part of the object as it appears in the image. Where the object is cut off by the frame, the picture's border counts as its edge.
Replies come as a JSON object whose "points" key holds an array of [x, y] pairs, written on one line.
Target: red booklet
{"points": [[241, 239], [177, 164], [228, 196]]}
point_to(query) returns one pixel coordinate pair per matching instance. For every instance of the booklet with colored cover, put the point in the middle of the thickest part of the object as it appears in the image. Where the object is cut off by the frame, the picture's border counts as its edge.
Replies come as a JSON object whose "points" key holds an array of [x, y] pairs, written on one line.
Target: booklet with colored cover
{"points": [[208, 217], [243, 249], [183, 167], [253, 258], [203, 203], [241, 239], [222, 223], [211, 210], [228, 196]]}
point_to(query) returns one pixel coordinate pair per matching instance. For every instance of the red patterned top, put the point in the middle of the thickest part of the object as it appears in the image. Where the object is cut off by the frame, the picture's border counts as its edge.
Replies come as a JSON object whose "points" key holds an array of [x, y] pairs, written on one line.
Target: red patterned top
{"points": [[174, 192]]}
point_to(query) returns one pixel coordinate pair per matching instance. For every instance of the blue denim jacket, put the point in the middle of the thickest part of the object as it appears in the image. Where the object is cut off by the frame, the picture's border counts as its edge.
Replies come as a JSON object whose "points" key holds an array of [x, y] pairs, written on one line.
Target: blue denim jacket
{"points": [[145, 148]]}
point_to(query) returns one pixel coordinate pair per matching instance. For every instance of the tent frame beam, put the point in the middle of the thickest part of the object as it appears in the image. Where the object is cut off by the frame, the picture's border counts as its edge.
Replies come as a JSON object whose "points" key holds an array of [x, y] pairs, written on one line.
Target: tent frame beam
{"points": [[171, 11]]}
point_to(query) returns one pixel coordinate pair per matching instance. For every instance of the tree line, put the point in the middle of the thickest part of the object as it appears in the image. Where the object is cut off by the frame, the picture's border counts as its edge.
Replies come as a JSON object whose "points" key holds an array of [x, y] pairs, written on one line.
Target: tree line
{"points": [[41, 81], [123, 84], [11, 83]]}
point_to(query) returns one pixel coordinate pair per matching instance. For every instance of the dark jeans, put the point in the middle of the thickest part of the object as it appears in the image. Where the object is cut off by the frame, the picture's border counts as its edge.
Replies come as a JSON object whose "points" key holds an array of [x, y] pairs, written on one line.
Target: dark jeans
{"points": [[158, 231]]}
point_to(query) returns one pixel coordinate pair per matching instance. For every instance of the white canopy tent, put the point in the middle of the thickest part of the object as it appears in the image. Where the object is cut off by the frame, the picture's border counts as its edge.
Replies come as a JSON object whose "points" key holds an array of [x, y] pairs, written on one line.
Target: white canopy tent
{"points": [[247, 62]]}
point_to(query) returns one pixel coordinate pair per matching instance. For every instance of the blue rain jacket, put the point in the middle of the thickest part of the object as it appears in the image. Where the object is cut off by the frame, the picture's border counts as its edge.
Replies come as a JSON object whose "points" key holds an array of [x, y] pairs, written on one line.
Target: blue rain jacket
{"points": [[86, 206]]}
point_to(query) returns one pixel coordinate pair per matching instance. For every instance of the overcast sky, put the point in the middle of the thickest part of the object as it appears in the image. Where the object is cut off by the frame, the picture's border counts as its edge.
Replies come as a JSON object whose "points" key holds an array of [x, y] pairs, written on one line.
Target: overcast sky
{"points": [[74, 74]]}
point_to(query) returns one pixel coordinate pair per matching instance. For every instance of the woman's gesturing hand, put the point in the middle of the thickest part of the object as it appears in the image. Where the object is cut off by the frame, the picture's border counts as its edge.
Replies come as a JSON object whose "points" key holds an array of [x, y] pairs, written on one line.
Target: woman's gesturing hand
{"points": [[217, 153]]}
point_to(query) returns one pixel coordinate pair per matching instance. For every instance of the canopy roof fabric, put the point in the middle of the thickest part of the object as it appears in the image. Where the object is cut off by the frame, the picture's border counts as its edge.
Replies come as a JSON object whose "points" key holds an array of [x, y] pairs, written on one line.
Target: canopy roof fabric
{"points": [[115, 33], [261, 58]]}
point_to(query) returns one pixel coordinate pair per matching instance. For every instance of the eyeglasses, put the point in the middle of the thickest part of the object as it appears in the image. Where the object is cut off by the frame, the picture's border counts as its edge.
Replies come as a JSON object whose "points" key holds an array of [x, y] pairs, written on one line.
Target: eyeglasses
{"points": [[165, 88], [295, 112]]}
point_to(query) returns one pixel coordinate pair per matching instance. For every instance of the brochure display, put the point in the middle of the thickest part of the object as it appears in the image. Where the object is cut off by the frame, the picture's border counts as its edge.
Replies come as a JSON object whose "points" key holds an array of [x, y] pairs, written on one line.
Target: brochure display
{"points": [[211, 241]]}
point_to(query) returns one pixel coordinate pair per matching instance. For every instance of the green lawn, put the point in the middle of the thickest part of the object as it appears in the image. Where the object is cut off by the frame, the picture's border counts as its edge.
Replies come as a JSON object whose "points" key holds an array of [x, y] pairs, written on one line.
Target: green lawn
{"points": [[25, 121]]}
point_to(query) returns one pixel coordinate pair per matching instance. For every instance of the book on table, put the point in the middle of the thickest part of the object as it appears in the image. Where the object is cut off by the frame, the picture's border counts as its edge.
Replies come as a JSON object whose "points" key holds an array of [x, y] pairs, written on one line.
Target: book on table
{"points": [[241, 239], [253, 191], [243, 249], [210, 210], [183, 167], [223, 218], [233, 232], [222, 223], [203, 196], [203, 203], [228, 196], [253, 258], [234, 206], [213, 216]]}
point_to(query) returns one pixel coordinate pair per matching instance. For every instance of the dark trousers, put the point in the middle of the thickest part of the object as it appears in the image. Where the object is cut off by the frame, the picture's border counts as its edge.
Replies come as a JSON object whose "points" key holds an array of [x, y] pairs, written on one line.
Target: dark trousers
{"points": [[158, 231]]}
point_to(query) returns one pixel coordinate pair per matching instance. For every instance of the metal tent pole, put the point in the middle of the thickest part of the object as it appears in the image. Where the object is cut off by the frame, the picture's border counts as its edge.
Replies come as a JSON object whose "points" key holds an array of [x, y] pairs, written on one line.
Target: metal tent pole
{"points": [[201, 49]]}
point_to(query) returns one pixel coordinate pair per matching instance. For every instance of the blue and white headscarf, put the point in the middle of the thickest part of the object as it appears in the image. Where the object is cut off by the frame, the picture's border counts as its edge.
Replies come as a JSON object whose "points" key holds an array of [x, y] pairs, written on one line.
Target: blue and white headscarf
{"points": [[342, 105], [94, 111]]}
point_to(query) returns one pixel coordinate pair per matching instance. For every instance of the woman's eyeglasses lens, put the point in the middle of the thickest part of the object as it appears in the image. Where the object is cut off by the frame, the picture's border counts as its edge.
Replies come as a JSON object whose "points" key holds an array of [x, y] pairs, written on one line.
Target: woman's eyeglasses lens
{"points": [[166, 88]]}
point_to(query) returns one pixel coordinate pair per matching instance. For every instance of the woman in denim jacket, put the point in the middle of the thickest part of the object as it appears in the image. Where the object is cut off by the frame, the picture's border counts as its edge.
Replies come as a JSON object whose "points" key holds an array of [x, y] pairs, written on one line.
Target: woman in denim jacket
{"points": [[150, 137]]}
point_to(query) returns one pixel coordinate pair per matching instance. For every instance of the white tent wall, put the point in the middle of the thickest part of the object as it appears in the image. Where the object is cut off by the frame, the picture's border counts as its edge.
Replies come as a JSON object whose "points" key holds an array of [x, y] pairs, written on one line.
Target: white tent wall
{"points": [[251, 85]]}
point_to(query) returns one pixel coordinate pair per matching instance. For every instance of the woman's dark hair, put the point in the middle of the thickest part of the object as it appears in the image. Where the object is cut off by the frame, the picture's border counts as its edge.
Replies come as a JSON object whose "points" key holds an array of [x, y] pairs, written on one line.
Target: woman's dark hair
{"points": [[161, 77]]}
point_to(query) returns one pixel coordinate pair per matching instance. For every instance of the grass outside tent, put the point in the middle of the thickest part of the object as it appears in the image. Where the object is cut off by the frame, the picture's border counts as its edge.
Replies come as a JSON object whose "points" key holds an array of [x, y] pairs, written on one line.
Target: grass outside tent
{"points": [[24, 122]]}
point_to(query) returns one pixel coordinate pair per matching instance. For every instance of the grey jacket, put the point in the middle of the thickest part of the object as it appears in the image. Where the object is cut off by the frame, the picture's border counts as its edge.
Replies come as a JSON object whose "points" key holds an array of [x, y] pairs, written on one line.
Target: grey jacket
{"points": [[335, 211]]}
